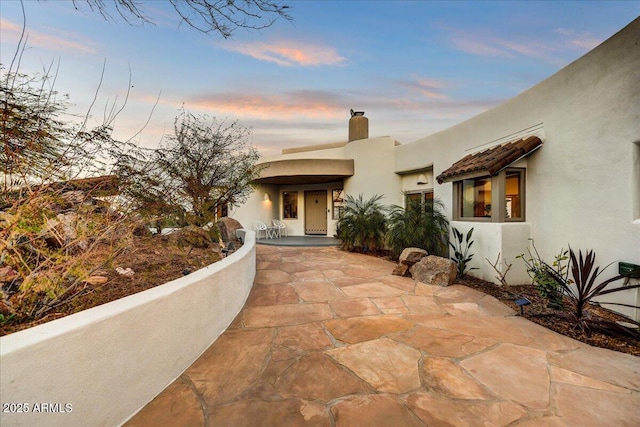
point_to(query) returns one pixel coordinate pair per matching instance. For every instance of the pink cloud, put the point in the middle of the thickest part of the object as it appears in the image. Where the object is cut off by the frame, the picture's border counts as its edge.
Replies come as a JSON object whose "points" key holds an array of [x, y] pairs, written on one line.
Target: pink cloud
{"points": [[271, 107], [65, 42], [472, 44], [426, 87], [582, 40], [288, 53], [550, 50]]}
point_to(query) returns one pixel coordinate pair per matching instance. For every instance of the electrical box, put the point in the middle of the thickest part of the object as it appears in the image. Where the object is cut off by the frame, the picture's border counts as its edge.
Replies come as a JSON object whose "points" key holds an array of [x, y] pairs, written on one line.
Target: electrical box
{"points": [[627, 269]]}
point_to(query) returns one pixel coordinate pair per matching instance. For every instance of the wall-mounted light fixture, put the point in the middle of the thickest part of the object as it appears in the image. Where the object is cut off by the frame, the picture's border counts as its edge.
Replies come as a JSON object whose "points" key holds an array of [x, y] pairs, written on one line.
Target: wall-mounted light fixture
{"points": [[422, 179], [267, 197]]}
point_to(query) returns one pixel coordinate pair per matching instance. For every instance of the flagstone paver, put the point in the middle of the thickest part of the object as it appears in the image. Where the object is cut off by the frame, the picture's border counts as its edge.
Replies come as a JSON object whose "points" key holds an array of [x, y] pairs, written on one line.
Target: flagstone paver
{"points": [[525, 382], [377, 410], [372, 290], [354, 307], [439, 411], [317, 377], [447, 378], [384, 364], [284, 315], [359, 329], [318, 291], [330, 338]]}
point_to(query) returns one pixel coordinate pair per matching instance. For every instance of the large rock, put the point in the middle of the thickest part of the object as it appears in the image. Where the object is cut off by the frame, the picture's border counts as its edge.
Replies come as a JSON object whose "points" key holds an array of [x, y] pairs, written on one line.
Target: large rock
{"points": [[228, 227], [434, 270], [410, 256], [401, 270]]}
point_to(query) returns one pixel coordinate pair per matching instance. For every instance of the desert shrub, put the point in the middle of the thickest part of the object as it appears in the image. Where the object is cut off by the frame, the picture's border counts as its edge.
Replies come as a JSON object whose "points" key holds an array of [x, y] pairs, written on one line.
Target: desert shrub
{"points": [[538, 271], [363, 224], [418, 226], [461, 245], [48, 250]]}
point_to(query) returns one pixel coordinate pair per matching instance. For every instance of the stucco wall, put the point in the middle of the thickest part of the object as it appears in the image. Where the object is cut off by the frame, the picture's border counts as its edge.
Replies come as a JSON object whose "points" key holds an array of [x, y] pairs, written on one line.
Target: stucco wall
{"points": [[374, 170], [492, 239], [581, 183], [109, 361], [257, 208]]}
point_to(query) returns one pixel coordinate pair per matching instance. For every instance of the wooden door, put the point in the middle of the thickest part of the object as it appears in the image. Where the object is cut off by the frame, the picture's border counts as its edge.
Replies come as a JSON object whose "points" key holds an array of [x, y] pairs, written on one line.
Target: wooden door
{"points": [[315, 212]]}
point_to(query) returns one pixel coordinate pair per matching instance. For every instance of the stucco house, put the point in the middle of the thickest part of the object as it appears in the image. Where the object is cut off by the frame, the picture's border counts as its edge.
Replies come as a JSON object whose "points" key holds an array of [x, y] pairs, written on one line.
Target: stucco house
{"points": [[559, 164]]}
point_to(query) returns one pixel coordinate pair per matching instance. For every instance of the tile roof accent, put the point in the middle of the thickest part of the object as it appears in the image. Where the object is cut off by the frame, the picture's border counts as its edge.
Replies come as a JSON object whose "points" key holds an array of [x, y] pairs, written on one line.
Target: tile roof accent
{"points": [[491, 160]]}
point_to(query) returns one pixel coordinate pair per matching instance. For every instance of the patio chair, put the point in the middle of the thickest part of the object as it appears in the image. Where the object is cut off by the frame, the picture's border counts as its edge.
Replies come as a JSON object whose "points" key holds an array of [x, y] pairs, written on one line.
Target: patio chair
{"points": [[282, 227], [258, 227]]}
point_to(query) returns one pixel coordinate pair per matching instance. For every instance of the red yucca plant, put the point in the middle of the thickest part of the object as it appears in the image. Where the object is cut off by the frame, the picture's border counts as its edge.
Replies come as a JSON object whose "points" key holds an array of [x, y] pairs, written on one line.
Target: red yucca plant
{"points": [[583, 289]]}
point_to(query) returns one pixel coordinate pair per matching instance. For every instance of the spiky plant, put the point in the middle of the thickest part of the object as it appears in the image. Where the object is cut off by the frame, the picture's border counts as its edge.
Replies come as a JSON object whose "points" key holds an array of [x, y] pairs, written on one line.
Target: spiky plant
{"points": [[418, 226], [583, 289], [363, 223]]}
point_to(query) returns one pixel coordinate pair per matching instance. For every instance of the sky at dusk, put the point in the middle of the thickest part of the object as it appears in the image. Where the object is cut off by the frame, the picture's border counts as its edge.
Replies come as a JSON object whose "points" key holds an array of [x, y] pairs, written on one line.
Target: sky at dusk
{"points": [[414, 67]]}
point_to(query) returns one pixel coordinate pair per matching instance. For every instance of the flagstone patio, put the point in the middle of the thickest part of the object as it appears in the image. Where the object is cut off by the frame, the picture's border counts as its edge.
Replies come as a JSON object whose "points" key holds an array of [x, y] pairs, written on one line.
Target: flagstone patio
{"points": [[329, 338]]}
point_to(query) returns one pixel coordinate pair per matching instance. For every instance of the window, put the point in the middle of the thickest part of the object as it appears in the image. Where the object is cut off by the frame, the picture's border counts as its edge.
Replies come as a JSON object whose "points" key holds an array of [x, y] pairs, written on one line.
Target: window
{"points": [[290, 204], [513, 194], [338, 203], [475, 197], [498, 198], [424, 199]]}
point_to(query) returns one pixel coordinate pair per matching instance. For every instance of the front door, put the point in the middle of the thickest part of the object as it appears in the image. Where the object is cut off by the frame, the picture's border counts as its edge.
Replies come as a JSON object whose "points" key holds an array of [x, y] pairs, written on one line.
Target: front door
{"points": [[315, 212]]}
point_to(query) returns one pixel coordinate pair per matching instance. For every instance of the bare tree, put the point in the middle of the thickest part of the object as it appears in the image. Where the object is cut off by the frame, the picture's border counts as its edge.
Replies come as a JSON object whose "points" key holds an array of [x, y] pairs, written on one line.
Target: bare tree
{"points": [[207, 164], [208, 16]]}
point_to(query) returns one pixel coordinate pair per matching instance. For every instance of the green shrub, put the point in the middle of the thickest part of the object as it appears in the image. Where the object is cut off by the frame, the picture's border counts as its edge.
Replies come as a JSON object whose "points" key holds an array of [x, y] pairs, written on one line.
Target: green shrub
{"points": [[418, 226], [544, 282], [461, 245], [363, 224]]}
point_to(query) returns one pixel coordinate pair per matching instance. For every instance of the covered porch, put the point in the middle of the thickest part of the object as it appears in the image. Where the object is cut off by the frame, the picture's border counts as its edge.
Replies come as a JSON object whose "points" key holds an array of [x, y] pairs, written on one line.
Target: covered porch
{"points": [[306, 195]]}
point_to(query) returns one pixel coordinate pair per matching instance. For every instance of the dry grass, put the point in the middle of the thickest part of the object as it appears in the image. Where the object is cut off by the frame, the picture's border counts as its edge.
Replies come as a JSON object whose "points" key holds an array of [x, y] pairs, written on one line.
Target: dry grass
{"points": [[155, 261]]}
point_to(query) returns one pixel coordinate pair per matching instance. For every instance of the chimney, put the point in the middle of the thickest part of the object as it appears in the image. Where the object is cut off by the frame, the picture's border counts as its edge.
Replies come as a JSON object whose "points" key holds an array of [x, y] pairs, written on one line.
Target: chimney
{"points": [[358, 126]]}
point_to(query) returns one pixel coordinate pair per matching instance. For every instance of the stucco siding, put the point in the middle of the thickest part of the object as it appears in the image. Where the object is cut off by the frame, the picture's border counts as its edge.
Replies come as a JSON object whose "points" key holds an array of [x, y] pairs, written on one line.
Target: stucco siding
{"points": [[580, 183], [374, 170]]}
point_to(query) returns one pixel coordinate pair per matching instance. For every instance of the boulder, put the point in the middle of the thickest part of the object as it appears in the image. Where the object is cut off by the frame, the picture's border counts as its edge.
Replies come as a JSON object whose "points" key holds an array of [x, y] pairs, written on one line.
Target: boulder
{"points": [[401, 270], [410, 256], [228, 227], [434, 270]]}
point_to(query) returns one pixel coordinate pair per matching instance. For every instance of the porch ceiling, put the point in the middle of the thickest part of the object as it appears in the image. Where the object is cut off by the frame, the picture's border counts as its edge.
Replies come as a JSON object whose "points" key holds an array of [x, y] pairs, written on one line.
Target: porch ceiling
{"points": [[305, 171]]}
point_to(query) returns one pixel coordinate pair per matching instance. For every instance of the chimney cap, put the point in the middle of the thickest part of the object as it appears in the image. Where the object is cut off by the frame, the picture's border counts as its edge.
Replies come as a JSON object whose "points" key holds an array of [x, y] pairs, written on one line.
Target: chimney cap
{"points": [[356, 113]]}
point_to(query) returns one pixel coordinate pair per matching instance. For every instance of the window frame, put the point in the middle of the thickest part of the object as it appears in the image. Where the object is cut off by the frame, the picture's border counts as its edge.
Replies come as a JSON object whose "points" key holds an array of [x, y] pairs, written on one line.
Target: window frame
{"points": [[498, 197], [295, 206], [336, 206], [422, 197]]}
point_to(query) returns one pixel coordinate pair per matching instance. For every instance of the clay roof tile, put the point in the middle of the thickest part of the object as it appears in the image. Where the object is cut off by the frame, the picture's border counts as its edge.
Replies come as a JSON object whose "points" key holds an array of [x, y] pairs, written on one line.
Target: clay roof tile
{"points": [[491, 160]]}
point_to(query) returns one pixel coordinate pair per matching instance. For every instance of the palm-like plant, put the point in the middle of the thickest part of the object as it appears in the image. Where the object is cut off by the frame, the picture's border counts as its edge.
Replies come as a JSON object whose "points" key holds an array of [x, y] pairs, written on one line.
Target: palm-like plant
{"points": [[418, 226], [363, 223]]}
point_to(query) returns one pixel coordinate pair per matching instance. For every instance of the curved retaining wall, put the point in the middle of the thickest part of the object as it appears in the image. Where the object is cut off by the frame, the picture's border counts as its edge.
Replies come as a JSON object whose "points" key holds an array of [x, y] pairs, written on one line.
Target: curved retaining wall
{"points": [[100, 366]]}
